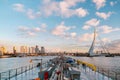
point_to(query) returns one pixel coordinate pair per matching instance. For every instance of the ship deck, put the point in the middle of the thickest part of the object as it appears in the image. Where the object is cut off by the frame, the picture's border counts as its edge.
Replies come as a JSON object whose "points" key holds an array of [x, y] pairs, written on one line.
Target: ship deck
{"points": [[85, 74]]}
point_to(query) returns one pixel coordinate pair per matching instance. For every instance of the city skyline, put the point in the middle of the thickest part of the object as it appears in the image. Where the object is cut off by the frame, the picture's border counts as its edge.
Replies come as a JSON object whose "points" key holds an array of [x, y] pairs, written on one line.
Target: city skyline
{"points": [[61, 25]]}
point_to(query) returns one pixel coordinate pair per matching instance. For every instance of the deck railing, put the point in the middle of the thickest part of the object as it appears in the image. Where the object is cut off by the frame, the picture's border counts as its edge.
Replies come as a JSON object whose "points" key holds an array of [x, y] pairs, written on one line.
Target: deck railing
{"points": [[109, 73], [14, 72], [100, 72], [7, 75], [103, 74]]}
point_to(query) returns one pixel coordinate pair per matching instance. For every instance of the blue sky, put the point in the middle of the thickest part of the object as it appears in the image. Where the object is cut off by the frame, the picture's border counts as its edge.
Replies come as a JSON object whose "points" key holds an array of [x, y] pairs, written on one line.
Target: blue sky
{"points": [[61, 25]]}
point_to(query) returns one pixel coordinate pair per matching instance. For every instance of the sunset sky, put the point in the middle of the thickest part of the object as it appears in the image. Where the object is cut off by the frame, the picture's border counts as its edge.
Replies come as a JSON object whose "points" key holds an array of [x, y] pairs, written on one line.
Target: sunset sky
{"points": [[60, 25]]}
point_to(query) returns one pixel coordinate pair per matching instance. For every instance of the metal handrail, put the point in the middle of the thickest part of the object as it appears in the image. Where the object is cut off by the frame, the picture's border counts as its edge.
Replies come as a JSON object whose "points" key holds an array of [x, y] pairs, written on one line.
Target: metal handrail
{"points": [[14, 72]]}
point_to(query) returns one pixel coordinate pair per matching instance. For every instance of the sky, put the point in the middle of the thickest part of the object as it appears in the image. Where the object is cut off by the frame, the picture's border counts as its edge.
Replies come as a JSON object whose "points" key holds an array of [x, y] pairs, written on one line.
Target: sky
{"points": [[60, 25]]}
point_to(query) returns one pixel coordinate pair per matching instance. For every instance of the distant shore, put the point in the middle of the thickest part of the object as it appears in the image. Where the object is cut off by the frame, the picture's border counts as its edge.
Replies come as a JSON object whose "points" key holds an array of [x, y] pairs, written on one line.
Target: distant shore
{"points": [[4, 56], [11, 55]]}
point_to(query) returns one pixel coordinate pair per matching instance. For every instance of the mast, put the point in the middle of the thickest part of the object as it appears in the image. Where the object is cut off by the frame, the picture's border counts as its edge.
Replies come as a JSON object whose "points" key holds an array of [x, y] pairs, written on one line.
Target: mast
{"points": [[91, 50]]}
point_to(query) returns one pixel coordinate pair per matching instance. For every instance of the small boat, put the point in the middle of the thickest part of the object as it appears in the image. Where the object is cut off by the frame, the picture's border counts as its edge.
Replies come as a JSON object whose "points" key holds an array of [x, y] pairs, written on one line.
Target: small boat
{"points": [[109, 55]]}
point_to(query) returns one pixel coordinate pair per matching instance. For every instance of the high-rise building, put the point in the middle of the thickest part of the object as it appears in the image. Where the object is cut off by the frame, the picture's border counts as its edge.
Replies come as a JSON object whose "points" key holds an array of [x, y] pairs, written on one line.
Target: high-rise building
{"points": [[42, 50], [3, 50], [37, 49], [1, 53], [32, 50], [26, 49], [29, 51], [14, 50], [23, 49]]}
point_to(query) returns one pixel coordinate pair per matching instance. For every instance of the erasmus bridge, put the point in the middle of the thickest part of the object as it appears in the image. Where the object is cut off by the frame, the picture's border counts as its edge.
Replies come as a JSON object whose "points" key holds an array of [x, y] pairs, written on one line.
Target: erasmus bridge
{"points": [[92, 47]]}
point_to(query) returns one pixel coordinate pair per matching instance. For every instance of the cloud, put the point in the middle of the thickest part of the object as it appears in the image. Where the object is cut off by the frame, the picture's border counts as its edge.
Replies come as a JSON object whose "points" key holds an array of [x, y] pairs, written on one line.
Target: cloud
{"points": [[49, 7], [106, 40], [27, 31], [99, 3], [63, 31], [113, 3], [29, 12], [91, 23], [66, 11], [107, 29], [46, 1], [60, 30], [73, 2], [19, 7], [23, 28], [43, 25], [86, 37], [63, 8], [32, 15], [37, 29], [101, 41], [103, 15], [73, 34], [30, 33], [86, 27], [114, 46], [81, 12]]}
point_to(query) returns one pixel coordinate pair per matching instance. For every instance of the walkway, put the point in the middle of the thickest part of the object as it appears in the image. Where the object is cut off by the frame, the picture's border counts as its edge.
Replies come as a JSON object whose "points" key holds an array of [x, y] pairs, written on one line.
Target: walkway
{"points": [[88, 74], [29, 75]]}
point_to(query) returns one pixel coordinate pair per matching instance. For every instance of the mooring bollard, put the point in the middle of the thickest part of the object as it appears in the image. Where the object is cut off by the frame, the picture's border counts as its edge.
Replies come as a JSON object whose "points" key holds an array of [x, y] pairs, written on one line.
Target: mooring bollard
{"points": [[0, 76], [29, 67], [98, 73], [21, 70], [116, 76], [16, 74], [95, 74], [9, 74], [102, 74], [108, 74], [26, 69], [32, 66]]}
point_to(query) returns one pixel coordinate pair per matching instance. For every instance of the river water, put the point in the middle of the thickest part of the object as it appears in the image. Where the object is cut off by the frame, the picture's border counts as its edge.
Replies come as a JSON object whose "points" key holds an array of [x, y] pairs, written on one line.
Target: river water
{"points": [[16, 62], [111, 63]]}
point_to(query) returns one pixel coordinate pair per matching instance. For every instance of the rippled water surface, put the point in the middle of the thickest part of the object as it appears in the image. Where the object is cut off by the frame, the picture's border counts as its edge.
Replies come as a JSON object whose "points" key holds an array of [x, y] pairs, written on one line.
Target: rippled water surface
{"points": [[12, 63]]}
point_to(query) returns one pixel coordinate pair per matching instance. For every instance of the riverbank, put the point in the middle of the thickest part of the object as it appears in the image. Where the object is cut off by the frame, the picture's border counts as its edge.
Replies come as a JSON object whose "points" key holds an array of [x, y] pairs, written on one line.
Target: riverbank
{"points": [[13, 56], [4, 56]]}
